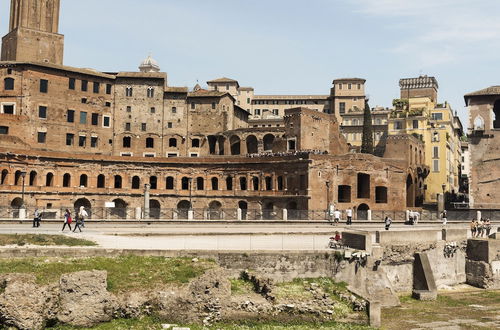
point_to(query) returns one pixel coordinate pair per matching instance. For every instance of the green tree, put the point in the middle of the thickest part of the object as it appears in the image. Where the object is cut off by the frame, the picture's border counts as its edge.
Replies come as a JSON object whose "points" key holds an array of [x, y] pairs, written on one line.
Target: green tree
{"points": [[367, 143]]}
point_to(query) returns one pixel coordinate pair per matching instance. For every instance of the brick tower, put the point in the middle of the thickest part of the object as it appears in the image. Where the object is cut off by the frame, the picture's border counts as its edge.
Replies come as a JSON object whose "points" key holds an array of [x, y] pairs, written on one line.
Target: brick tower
{"points": [[33, 32]]}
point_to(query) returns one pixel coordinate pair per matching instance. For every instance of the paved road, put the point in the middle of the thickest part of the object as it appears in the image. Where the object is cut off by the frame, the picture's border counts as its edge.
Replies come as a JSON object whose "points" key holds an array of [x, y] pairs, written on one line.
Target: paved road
{"points": [[206, 236]]}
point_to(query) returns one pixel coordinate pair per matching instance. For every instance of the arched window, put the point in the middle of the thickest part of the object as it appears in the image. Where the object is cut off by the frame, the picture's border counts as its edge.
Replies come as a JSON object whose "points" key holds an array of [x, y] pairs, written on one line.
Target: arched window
{"points": [[215, 184], [151, 92], [280, 183], [170, 182], [3, 179], [268, 142], [200, 183], [153, 181], [127, 141], [479, 123], [150, 142], [33, 175], [118, 181], [255, 183], [269, 183], [128, 91], [49, 181], [83, 180], [172, 142], [136, 182], [229, 183], [67, 180], [195, 143], [8, 84], [185, 183], [243, 183], [101, 181]]}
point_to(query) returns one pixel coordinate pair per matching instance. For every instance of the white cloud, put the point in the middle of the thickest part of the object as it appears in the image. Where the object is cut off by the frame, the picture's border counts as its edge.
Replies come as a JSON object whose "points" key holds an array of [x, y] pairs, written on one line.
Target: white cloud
{"points": [[438, 31]]}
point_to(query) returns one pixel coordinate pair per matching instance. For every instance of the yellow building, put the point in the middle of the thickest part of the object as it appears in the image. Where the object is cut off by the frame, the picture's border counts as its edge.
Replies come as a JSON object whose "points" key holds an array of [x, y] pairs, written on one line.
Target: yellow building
{"points": [[418, 113]]}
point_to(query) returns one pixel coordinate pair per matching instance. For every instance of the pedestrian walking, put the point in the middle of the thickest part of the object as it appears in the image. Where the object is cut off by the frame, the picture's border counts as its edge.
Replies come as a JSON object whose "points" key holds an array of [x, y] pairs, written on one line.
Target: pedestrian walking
{"points": [[349, 216], [78, 223], [487, 227], [336, 216], [388, 222], [480, 228], [67, 220], [37, 217], [444, 217], [82, 215]]}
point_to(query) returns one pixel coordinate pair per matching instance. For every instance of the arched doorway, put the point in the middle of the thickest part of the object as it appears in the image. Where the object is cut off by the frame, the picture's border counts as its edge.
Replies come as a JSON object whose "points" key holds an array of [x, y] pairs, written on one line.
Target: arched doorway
{"points": [[235, 143], [268, 142], [154, 209], [292, 210], [244, 209], [85, 203], [215, 210], [496, 112], [221, 141], [182, 209], [252, 144], [268, 211], [120, 209], [410, 191], [362, 212], [16, 205]]}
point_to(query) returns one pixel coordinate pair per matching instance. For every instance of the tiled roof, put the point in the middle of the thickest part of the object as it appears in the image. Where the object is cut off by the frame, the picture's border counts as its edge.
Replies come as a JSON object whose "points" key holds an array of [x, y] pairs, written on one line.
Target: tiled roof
{"points": [[492, 90], [349, 79], [420, 82], [89, 72], [151, 75], [176, 89], [291, 97]]}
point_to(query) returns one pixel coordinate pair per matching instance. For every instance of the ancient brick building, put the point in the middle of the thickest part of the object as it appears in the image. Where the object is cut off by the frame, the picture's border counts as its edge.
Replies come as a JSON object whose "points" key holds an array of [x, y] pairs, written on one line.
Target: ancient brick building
{"points": [[484, 147], [71, 137]]}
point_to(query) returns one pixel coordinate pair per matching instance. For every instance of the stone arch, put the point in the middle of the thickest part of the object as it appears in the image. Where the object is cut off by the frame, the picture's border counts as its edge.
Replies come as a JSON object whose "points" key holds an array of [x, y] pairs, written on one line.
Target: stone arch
{"points": [[235, 143], [215, 183], [153, 182], [252, 144], [83, 202], [268, 141], [185, 183], [18, 178], [255, 183], [243, 183], [118, 182], [229, 183], [33, 177], [496, 113], [66, 180], [49, 179], [3, 179], [154, 209], [410, 191], [182, 209], [268, 211], [243, 206], [362, 212], [120, 209], [215, 210], [172, 142], [16, 203], [221, 141], [170, 183], [479, 123], [136, 182], [212, 144], [200, 183]]}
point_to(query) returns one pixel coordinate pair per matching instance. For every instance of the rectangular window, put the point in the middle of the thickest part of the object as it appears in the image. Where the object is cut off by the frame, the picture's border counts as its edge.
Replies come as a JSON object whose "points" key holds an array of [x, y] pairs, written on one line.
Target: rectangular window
{"points": [[213, 105], [174, 110], [107, 104], [435, 165], [143, 127], [435, 152], [41, 137], [96, 87], [127, 126], [4, 129], [152, 110], [106, 121], [169, 125], [82, 140], [415, 124], [95, 119], [8, 109], [275, 112], [108, 89], [69, 139], [85, 84], [256, 112], [70, 114], [398, 125], [342, 107], [129, 108], [94, 141], [44, 86], [248, 100], [340, 86], [437, 116], [193, 105], [83, 117], [349, 86], [42, 112], [71, 83]]}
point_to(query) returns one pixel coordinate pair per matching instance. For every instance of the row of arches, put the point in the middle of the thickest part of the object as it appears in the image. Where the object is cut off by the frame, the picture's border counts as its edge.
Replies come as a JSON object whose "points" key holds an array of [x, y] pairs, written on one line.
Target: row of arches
{"points": [[237, 146]]}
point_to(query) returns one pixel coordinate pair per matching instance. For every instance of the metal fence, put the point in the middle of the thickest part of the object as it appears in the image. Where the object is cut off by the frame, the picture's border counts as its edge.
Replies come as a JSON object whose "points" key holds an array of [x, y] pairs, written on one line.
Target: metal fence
{"points": [[100, 213]]}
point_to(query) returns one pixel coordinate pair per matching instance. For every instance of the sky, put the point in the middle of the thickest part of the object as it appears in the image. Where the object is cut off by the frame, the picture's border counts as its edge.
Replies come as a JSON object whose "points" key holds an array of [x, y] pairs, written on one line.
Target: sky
{"points": [[289, 46]]}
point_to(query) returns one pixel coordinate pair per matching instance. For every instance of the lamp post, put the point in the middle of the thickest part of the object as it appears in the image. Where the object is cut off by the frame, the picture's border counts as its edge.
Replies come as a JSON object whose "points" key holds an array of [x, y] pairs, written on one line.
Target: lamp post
{"points": [[190, 180], [328, 198], [147, 188], [23, 175]]}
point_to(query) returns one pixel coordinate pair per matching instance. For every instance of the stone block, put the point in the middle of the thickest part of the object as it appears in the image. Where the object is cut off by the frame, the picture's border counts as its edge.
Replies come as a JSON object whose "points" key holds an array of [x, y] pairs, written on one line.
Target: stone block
{"points": [[358, 240], [423, 276], [374, 312], [424, 295]]}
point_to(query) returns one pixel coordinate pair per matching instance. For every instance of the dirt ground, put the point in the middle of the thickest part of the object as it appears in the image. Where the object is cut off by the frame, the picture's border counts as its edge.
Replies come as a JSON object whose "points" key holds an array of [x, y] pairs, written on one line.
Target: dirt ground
{"points": [[462, 308]]}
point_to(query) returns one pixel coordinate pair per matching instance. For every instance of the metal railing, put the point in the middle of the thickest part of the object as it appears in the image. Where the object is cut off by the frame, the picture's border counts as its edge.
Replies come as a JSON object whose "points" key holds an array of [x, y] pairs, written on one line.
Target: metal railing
{"points": [[121, 214]]}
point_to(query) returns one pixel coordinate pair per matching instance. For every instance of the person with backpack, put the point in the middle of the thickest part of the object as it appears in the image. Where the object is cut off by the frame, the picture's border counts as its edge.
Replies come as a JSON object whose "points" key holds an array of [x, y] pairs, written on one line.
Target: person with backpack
{"points": [[67, 220], [82, 215], [37, 217]]}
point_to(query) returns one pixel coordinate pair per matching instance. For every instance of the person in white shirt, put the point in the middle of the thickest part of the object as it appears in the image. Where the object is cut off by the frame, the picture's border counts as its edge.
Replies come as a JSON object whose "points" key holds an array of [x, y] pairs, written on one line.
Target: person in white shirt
{"points": [[336, 216], [349, 216]]}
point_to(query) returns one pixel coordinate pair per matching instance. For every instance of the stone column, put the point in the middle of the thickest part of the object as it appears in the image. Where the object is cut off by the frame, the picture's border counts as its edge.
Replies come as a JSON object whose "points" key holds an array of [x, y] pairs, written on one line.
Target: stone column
{"points": [[239, 213], [138, 213], [374, 311], [285, 214], [478, 215], [147, 188], [369, 216]]}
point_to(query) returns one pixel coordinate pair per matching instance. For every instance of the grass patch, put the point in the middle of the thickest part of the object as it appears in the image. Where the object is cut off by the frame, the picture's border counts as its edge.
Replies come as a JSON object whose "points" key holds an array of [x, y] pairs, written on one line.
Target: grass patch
{"points": [[239, 286], [124, 273], [44, 240], [152, 322]]}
